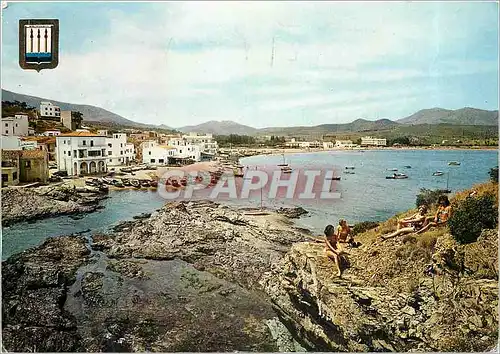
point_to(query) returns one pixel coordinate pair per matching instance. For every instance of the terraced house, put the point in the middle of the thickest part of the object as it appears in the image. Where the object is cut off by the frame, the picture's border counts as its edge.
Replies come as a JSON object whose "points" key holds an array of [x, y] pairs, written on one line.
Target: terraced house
{"points": [[81, 153]]}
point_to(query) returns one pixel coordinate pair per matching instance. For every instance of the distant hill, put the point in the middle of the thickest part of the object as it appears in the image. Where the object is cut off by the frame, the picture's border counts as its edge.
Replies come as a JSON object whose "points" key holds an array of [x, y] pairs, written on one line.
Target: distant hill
{"points": [[463, 116], [225, 127], [90, 113]]}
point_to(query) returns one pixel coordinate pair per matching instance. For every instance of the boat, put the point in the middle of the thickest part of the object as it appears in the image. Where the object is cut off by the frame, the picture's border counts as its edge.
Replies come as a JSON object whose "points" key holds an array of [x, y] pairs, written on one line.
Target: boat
{"points": [[238, 172], [126, 182], [334, 178], [118, 183], [350, 172], [392, 169], [453, 163], [107, 180], [438, 173], [284, 164], [349, 167], [286, 169], [407, 166], [154, 184], [135, 183], [397, 176], [89, 182], [145, 183]]}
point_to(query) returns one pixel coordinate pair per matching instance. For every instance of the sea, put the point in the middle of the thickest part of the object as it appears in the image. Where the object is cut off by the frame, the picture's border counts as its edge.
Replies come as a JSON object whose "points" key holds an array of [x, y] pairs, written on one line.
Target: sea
{"points": [[365, 195]]}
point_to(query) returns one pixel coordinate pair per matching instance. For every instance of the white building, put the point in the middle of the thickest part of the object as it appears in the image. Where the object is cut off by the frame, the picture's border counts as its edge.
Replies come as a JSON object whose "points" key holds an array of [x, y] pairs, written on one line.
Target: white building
{"points": [[185, 150], [292, 143], [81, 153], [206, 142], [156, 154], [344, 144], [310, 144], [15, 126], [328, 145], [49, 110], [119, 152], [369, 141], [51, 133]]}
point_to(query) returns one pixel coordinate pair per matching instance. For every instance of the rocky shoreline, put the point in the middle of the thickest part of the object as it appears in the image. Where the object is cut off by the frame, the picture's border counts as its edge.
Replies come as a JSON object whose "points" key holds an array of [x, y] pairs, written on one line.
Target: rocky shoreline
{"points": [[200, 276], [185, 278], [29, 204]]}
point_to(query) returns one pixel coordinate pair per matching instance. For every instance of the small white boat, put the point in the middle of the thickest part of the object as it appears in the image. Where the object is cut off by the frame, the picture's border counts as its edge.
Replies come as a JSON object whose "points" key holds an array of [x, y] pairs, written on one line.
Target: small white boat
{"points": [[286, 169], [438, 173], [453, 163], [397, 176], [392, 169], [349, 167]]}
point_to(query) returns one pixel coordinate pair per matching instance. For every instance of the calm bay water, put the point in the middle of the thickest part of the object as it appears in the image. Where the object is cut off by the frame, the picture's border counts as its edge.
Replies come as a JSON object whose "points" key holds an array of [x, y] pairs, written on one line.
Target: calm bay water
{"points": [[366, 195]]}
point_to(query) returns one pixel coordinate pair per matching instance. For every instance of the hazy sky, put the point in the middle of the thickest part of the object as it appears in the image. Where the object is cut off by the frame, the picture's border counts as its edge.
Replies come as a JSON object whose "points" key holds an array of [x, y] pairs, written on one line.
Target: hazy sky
{"points": [[186, 63]]}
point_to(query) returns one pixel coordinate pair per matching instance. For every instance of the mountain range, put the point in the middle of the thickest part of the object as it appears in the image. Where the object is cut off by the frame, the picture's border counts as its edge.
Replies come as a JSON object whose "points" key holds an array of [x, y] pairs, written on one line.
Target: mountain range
{"points": [[463, 116], [90, 113]]}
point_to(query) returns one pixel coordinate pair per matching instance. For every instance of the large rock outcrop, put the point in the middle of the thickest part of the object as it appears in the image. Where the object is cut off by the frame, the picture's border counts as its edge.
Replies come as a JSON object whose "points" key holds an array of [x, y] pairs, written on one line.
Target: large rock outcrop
{"points": [[401, 295], [25, 204]]}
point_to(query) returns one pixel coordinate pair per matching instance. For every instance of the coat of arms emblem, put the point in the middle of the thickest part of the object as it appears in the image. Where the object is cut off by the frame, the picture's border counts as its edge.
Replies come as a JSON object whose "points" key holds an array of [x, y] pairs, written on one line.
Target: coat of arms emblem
{"points": [[38, 44]]}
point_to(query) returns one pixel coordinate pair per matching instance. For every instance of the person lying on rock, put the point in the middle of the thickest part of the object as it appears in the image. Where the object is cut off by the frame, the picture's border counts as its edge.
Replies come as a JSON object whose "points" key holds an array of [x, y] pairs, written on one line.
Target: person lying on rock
{"points": [[344, 234], [411, 224], [442, 215], [333, 249]]}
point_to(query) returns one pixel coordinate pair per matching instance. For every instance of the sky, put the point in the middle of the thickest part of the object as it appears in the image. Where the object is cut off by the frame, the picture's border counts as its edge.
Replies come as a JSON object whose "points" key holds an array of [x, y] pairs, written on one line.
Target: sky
{"points": [[263, 64]]}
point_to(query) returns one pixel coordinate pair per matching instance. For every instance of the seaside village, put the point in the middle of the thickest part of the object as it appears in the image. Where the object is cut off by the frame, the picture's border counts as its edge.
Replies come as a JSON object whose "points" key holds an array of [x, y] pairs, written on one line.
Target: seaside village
{"points": [[79, 151]]}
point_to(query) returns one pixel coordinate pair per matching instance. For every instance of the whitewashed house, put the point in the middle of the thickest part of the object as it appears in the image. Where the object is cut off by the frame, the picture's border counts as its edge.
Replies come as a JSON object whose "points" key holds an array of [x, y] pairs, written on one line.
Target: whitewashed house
{"points": [[15, 126], [81, 153], [119, 152], [157, 154], [51, 133], [328, 145], [49, 110], [344, 144], [206, 142], [185, 150], [369, 141]]}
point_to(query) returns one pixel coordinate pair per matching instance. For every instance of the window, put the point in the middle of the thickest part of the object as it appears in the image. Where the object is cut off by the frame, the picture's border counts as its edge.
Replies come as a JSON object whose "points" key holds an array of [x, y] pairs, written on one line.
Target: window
{"points": [[91, 142], [150, 152], [6, 124], [94, 153], [84, 142], [14, 175], [109, 153], [64, 141], [74, 153], [161, 161], [27, 164], [6, 132], [16, 125], [152, 160], [121, 152], [180, 151], [69, 153], [5, 177], [121, 145], [110, 145], [110, 160]]}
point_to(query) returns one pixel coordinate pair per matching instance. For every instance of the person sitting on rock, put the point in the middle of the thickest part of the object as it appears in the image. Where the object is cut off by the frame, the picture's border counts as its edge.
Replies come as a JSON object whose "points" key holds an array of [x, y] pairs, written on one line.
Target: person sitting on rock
{"points": [[344, 234], [333, 249], [413, 223], [442, 215]]}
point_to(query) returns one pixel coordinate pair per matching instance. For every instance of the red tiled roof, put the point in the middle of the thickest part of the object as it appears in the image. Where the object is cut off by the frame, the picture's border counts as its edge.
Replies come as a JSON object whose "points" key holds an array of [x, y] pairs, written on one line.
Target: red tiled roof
{"points": [[78, 134], [33, 154]]}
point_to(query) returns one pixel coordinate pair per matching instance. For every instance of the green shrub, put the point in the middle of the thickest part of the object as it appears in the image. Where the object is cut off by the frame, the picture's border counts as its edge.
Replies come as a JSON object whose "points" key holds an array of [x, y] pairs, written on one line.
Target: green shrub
{"points": [[363, 226], [494, 174], [472, 215], [428, 197]]}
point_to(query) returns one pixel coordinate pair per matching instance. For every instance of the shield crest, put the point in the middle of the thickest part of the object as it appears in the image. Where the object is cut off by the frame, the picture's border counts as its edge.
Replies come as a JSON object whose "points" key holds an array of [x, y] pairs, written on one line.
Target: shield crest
{"points": [[38, 44]]}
